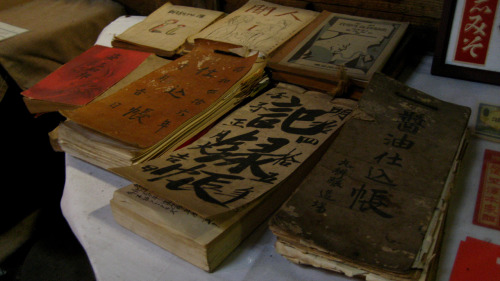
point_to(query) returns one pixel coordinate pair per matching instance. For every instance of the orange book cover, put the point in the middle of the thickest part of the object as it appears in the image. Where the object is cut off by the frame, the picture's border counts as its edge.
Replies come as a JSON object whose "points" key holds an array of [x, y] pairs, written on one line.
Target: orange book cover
{"points": [[87, 76], [152, 107]]}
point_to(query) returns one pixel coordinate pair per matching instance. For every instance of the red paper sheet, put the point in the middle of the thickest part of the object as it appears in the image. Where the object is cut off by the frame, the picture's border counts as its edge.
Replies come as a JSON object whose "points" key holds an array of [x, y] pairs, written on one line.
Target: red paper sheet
{"points": [[85, 77], [476, 260]]}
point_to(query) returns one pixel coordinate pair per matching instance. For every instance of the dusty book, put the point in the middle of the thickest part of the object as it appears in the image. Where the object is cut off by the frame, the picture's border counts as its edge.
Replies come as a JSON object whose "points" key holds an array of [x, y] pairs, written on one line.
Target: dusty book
{"points": [[360, 45], [163, 109], [96, 148], [164, 32], [258, 25], [82, 79], [234, 176], [374, 205]]}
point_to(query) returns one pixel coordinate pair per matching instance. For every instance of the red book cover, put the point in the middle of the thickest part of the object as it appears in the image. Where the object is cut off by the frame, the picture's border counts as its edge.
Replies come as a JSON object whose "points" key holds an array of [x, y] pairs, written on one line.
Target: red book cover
{"points": [[487, 211], [87, 76]]}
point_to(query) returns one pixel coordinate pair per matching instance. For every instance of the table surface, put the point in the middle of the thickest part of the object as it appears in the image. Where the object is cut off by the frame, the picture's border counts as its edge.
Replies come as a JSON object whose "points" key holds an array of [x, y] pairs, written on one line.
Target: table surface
{"points": [[116, 253]]}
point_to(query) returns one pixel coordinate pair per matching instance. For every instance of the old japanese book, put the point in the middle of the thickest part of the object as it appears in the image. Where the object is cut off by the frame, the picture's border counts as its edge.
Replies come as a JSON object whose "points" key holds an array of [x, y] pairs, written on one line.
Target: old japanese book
{"points": [[92, 146], [258, 25], [360, 45], [172, 104], [164, 32], [232, 178], [82, 79], [374, 206]]}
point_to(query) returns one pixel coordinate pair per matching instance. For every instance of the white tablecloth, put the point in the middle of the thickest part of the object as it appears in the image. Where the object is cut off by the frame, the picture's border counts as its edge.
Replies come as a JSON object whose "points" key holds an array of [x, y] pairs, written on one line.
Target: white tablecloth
{"points": [[118, 254]]}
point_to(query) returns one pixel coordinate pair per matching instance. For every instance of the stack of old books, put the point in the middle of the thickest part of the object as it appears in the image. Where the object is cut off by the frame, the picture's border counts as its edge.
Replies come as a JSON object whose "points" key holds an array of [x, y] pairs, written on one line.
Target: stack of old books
{"points": [[163, 109], [217, 119], [202, 200]]}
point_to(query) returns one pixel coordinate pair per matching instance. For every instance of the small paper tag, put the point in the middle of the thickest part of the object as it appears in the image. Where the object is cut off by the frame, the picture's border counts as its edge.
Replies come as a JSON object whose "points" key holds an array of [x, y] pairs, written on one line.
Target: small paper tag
{"points": [[7, 30]]}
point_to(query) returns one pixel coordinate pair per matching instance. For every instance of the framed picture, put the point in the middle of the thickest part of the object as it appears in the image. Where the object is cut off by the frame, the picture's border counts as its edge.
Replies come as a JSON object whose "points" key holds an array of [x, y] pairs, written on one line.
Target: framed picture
{"points": [[468, 43]]}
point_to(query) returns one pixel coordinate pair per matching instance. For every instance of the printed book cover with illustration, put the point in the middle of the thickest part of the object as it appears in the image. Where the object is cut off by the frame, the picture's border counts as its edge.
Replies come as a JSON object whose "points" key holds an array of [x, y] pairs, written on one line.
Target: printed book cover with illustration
{"points": [[360, 45], [164, 32]]}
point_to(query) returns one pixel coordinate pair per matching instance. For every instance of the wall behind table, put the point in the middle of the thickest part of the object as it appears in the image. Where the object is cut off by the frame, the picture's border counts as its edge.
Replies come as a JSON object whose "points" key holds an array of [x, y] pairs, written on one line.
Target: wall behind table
{"points": [[146, 7]]}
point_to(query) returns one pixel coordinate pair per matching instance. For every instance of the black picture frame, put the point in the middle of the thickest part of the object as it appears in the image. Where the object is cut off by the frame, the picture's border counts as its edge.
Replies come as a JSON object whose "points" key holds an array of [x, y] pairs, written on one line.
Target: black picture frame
{"points": [[439, 65]]}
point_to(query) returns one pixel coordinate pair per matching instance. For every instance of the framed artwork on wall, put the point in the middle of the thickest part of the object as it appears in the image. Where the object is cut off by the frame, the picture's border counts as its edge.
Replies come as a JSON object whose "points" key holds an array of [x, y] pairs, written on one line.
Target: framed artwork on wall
{"points": [[468, 43]]}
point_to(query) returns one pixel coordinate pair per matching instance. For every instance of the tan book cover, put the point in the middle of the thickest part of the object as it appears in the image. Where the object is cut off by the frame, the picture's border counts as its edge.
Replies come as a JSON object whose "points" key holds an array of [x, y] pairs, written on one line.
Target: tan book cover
{"points": [[358, 44], [374, 205], [164, 32], [246, 166], [258, 25], [247, 154], [172, 104]]}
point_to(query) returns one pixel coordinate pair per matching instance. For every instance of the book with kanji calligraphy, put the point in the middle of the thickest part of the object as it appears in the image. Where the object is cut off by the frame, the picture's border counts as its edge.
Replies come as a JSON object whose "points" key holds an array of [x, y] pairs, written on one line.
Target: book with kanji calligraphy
{"points": [[360, 45], [95, 148], [227, 182], [164, 32], [374, 205], [82, 79], [258, 25], [166, 107]]}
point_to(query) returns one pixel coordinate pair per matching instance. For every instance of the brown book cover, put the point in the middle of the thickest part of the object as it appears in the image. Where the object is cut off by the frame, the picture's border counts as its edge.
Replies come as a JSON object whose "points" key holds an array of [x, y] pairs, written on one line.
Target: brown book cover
{"points": [[360, 45], [82, 79], [374, 205]]}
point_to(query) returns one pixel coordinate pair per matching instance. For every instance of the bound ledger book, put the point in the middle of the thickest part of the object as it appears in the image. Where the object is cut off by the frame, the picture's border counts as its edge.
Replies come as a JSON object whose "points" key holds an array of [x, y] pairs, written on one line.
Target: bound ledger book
{"points": [[165, 108], [258, 25], [202, 200], [164, 32], [373, 207], [82, 79], [361, 46]]}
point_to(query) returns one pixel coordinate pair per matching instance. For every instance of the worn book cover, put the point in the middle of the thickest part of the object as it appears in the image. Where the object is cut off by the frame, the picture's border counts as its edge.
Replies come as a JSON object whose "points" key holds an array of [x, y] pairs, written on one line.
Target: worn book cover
{"points": [[247, 154], [164, 32], [258, 25], [358, 44], [374, 205], [96, 148], [233, 177], [82, 79], [174, 102]]}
